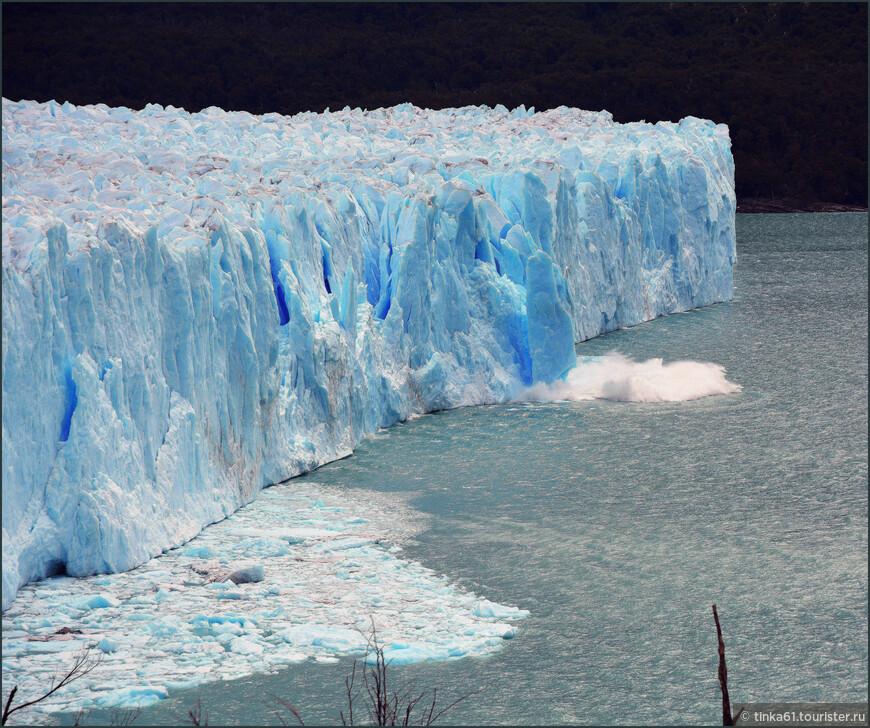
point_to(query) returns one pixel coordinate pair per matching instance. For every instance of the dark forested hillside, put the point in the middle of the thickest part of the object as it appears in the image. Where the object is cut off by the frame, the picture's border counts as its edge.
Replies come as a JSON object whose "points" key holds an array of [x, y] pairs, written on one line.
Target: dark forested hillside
{"points": [[790, 79]]}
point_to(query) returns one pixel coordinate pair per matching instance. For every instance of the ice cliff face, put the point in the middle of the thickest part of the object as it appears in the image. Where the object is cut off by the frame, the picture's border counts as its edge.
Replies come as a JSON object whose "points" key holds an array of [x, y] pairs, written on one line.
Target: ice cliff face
{"points": [[198, 305]]}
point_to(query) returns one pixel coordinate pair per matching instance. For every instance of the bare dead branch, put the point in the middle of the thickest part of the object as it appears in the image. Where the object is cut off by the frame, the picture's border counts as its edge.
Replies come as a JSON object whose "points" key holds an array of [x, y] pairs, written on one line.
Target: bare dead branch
{"points": [[723, 674], [6, 710], [385, 706], [195, 715], [348, 690], [278, 715], [83, 664]]}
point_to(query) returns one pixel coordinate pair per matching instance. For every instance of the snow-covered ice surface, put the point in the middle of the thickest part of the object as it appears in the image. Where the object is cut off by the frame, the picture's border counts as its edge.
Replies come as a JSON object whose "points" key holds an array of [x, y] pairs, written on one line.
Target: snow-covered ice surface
{"points": [[328, 572], [199, 305]]}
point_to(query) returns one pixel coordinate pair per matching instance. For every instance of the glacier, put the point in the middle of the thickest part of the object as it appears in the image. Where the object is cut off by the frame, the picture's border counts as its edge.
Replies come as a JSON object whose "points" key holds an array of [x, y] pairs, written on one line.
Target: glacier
{"points": [[199, 305]]}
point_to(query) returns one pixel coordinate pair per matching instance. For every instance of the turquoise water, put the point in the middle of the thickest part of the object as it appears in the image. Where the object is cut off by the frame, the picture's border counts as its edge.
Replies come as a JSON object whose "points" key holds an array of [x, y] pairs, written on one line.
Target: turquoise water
{"points": [[617, 525]]}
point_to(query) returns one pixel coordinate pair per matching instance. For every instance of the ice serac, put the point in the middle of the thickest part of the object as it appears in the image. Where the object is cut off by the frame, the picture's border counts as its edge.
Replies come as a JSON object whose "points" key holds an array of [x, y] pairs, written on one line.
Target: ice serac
{"points": [[198, 305]]}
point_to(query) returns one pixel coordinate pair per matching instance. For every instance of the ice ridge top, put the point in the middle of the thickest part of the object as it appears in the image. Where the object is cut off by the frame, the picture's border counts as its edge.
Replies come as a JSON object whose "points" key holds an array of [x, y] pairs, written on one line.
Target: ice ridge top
{"points": [[198, 305]]}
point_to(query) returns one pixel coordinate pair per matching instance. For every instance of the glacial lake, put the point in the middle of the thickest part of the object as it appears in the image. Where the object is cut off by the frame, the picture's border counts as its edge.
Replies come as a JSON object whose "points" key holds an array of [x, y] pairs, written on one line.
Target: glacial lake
{"points": [[618, 525]]}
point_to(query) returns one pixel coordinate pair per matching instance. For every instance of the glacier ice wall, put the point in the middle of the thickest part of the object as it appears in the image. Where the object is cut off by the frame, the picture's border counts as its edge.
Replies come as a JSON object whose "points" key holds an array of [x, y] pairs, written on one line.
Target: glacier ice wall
{"points": [[196, 306]]}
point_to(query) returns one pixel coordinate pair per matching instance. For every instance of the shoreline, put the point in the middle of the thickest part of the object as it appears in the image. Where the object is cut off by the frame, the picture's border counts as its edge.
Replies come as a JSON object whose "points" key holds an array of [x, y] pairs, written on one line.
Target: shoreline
{"points": [[786, 205]]}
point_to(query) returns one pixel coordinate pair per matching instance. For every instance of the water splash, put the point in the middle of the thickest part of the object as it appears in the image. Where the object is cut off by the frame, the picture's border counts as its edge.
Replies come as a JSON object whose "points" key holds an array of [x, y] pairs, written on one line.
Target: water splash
{"points": [[622, 379]]}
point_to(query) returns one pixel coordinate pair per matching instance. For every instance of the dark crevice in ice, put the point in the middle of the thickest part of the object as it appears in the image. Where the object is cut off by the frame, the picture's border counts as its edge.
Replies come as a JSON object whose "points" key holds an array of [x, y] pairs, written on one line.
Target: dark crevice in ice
{"points": [[274, 270], [283, 313], [72, 399], [326, 275], [55, 568], [383, 307]]}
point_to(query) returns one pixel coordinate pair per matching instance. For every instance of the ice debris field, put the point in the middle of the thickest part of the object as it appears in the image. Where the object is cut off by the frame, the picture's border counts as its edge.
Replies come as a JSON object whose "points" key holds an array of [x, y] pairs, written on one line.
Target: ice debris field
{"points": [[322, 574]]}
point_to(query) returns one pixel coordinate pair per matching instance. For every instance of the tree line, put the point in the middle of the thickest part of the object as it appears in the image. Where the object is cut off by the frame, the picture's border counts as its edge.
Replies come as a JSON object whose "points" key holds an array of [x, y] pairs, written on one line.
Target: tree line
{"points": [[789, 79]]}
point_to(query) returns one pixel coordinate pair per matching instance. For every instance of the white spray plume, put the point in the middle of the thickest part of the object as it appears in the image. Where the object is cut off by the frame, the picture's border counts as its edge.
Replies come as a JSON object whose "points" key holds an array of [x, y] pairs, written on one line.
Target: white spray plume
{"points": [[623, 379]]}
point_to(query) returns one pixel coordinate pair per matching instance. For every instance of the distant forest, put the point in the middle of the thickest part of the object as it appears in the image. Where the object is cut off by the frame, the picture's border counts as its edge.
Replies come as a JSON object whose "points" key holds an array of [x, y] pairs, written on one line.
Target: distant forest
{"points": [[789, 79]]}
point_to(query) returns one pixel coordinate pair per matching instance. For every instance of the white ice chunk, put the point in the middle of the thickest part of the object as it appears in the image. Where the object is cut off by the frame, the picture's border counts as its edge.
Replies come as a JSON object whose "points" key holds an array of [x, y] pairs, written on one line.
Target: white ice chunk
{"points": [[139, 696], [403, 654], [486, 608], [330, 638], [107, 645], [244, 646]]}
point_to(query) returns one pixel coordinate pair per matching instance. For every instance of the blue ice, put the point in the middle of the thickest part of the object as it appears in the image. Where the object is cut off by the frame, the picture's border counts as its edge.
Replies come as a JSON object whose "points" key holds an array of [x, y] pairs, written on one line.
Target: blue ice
{"points": [[196, 306]]}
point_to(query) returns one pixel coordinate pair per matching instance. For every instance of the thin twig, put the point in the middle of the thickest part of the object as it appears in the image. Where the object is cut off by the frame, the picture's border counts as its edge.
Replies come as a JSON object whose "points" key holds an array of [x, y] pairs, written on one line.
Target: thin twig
{"points": [[125, 718], [195, 715], [455, 702], [278, 715], [82, 666], [348, 689], [288, 706]]}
